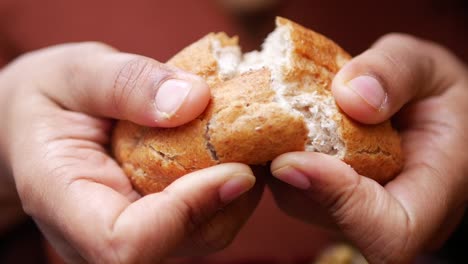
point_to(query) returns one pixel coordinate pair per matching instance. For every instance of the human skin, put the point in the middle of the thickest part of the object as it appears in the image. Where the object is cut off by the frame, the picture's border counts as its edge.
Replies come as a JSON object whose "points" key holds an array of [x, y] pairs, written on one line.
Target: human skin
{"points": [[55, 104], [56, 110], [425, 88]]}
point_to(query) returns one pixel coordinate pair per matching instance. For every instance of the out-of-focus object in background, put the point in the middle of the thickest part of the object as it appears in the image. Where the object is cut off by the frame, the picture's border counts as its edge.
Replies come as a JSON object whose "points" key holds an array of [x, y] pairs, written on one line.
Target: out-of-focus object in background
{"points": [[248, 6], [340, 254]]}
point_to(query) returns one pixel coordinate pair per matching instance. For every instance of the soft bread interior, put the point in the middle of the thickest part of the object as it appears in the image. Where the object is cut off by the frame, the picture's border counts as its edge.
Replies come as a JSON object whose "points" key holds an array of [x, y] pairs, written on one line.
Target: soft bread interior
{"points": [[228, 58], [303, 96]]}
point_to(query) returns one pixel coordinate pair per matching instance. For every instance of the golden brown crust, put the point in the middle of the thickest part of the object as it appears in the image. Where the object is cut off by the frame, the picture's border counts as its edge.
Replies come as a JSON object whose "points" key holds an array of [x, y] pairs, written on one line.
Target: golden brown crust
{"points": [[154, 157], [340, 254], [373, 151], [198, 58], [244, 123], [248, 125], [161, 155], [314, 55]]}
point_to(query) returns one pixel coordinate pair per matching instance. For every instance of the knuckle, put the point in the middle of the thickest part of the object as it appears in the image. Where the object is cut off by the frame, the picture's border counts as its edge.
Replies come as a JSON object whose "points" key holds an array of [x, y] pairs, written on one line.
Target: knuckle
{"points": [[424, 51], [412, 43], [408, 63], [83, 51], [396, 37], [135, 78], [93, 46], [394, 47], [76, 52], [388, 58], [56, 53]]}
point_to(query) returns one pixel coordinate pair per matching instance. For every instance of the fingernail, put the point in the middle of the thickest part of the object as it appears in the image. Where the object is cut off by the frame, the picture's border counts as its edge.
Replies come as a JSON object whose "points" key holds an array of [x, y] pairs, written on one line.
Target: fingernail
{"points": [[369, 89], [293, 177], [171, 96], [235, 187]]}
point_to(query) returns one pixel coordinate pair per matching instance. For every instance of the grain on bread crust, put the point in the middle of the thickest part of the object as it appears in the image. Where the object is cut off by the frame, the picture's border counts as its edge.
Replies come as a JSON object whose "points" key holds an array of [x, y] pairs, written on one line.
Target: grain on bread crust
{"points": [[372, 150], [245, 120]]}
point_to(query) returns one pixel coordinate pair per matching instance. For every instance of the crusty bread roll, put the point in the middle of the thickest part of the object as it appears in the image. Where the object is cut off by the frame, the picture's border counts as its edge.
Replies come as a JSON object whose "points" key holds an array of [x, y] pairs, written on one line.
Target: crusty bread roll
{"points": [[264, 103]]}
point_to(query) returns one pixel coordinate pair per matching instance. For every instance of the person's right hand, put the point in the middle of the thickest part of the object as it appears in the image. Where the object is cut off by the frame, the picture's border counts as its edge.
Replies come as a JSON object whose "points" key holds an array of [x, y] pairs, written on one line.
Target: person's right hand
{"points": [[56, 105], [428, 87]]}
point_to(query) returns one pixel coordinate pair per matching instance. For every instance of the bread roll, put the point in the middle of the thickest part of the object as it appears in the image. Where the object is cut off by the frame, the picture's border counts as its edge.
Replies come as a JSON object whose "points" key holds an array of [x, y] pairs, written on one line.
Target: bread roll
{"points": [[264, 103]]}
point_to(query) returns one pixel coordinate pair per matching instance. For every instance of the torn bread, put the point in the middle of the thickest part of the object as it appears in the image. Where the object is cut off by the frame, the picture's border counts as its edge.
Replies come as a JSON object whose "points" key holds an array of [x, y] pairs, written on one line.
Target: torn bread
{"points": [[264, 103]]}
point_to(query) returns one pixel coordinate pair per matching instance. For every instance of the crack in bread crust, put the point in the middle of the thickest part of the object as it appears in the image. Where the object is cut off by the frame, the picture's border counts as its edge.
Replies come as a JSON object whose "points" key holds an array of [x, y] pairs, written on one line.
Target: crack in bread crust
{"points": [[376, 151], [166, 157], [209, 145]]}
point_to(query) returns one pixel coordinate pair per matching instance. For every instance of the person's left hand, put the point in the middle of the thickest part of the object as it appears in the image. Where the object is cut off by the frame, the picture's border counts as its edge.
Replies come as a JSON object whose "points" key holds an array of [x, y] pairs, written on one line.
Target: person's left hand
{"points": [[56, 108]]}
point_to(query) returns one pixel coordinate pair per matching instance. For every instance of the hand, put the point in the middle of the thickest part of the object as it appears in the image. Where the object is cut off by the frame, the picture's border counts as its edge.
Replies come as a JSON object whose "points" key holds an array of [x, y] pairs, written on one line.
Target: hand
{"points": [[54, 108], [428, 88]]}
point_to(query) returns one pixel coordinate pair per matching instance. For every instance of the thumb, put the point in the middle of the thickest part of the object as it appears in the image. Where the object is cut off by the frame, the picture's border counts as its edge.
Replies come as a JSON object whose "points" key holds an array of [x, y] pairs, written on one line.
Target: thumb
{"points": [[96, 79], [397, 69], [359, 206], [164, 219], [113, 229]]}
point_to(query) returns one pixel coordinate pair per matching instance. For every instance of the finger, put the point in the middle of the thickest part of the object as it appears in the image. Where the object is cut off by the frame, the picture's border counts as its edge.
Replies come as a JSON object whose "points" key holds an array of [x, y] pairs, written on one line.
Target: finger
{"points": [[47, 197], [397, 69], [360, 207], [218, 232], [89, 208], [100, 81], [104, 226], [173, 214], [77, 195]]}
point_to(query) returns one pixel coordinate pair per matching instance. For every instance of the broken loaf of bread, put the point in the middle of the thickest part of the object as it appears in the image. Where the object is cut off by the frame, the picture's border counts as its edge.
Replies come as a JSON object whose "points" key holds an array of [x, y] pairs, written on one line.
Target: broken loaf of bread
{"points": [[264, 103]]}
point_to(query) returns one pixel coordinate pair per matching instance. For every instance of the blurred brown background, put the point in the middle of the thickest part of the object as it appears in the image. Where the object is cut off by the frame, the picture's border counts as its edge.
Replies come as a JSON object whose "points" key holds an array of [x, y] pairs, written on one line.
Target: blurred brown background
{"points": [[158, 29]]}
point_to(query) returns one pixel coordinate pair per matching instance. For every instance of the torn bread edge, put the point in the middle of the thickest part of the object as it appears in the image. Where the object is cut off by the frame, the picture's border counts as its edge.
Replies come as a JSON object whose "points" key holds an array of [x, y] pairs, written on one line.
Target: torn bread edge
{"points": [[316, 105]]}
